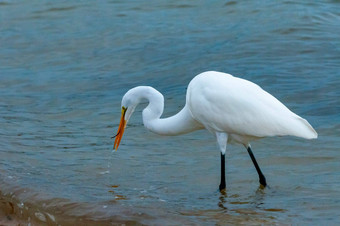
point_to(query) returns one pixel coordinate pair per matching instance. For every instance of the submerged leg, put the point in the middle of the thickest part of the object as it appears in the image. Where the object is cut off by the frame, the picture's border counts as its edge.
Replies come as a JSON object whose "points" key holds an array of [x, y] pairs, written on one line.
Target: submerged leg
{"points": [[222, 139], [261, 176]]}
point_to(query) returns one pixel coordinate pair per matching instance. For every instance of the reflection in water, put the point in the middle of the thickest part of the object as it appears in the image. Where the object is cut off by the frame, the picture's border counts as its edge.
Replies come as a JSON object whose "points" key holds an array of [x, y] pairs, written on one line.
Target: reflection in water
{"points": [[222, 199], [257, 200], [252, 206]]}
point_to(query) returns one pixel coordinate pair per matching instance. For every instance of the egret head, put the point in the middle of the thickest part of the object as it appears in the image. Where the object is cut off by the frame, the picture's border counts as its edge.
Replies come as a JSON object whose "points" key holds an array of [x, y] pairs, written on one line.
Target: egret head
{"points": [[129, 104]]}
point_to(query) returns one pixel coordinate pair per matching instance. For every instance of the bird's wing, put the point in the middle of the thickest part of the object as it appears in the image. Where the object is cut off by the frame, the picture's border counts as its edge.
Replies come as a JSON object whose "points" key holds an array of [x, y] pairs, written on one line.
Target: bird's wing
{"points": [[225, 103]]}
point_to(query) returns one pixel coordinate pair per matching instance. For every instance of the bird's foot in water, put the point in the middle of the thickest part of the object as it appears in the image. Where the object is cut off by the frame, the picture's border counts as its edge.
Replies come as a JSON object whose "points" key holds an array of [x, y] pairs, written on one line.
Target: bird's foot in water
{"points": [[222, 187], [263, 182]]}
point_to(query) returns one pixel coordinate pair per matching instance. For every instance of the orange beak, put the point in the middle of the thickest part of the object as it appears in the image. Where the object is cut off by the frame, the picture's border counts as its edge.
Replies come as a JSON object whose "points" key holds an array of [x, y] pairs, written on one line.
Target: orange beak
{"points": [[121, 129]]}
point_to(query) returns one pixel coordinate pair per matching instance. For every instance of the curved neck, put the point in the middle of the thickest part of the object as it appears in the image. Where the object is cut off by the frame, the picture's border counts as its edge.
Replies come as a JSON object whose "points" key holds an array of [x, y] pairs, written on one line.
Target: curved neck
{"points": [[180, 123]]}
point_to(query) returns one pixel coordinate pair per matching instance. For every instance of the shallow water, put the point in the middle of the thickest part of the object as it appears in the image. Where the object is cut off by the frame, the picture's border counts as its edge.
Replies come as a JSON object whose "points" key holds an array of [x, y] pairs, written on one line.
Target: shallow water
{"points": [[64, 67]]}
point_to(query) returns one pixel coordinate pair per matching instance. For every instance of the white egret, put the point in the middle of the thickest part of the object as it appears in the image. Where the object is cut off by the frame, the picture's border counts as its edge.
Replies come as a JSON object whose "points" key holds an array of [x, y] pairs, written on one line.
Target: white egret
{"points": [[233, 109]]}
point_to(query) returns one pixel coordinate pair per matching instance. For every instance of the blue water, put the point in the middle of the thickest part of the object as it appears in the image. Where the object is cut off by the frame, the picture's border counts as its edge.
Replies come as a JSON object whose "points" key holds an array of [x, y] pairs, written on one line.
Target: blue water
{"points": [[64, 67]]}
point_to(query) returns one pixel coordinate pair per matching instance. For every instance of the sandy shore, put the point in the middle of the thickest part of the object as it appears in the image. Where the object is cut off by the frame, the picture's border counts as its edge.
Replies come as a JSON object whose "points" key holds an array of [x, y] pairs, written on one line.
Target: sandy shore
{"points": [[7, 215]]}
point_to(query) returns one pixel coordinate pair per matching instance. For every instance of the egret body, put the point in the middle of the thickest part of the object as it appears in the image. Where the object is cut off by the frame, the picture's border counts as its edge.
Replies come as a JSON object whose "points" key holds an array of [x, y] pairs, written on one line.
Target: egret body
{"points": [[234, 110]]}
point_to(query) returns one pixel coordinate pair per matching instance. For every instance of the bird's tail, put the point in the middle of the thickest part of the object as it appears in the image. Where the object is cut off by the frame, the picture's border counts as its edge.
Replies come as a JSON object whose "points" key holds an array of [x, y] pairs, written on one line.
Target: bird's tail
{"points": [[303, 129]]}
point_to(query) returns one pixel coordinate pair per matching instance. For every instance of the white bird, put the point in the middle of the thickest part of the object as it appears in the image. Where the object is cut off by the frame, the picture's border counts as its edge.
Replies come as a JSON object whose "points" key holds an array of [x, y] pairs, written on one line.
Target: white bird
{"points": [[233, 109]]}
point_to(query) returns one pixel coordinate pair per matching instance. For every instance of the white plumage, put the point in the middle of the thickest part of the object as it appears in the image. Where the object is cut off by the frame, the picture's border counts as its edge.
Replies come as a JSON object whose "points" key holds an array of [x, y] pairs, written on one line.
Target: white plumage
{"points": [[231, 108], [242, 109]]}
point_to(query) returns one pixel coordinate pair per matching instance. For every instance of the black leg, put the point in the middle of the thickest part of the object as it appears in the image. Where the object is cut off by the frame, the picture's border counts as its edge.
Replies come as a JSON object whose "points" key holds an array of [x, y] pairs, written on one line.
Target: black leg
{"points": [[261, 176], [222, 184]]}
